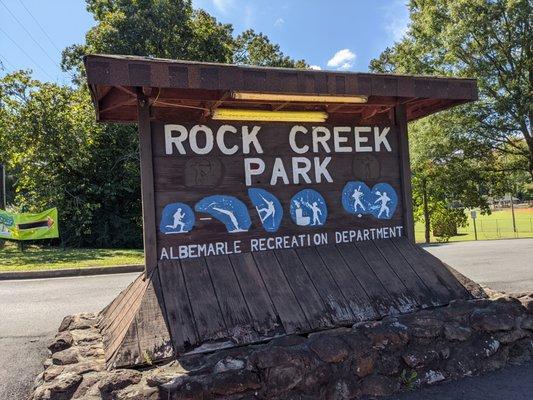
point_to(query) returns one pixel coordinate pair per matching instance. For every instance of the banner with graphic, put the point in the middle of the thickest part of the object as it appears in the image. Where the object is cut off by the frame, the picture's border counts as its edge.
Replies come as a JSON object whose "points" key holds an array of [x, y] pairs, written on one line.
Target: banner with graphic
{"points": [[27, 226], [222, 189]]}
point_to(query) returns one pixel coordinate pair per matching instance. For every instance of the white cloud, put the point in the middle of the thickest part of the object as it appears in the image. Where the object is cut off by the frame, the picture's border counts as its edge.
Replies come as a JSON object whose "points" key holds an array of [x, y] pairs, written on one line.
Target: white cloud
{"points": [[224, 6], [396, 17], [315, 67], [279, 22], [343, 59]]}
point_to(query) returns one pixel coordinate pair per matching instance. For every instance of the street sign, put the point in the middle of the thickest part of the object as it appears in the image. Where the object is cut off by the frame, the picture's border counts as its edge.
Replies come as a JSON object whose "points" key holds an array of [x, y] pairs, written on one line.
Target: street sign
{"points": [[473, 214]]}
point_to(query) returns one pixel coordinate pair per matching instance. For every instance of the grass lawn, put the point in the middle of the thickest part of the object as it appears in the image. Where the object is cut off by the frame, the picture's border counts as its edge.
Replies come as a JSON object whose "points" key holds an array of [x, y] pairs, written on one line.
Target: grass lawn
{"points": [[498, 225], [40, 258]]}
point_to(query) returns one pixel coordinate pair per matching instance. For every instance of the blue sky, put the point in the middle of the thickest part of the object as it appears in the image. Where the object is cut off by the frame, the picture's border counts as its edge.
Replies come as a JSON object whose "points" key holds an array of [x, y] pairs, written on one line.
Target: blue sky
{"points": [[338, 34]]}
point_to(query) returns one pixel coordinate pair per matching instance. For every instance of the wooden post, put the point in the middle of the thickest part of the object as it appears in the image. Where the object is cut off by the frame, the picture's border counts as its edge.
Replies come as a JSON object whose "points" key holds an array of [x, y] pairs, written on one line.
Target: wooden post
{"points": [[405, 171], [147, 184]]}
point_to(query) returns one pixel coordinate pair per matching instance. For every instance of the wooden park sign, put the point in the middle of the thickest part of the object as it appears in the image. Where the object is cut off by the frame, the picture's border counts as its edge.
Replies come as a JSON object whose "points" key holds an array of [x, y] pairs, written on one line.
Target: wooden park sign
{"points": [[228, 188], [275, 201]]}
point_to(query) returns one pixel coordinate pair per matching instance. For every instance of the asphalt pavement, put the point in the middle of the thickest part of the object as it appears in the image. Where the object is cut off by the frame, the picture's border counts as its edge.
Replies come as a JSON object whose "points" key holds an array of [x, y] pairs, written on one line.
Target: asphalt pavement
{"points": [[31, 311], [504, 265]]}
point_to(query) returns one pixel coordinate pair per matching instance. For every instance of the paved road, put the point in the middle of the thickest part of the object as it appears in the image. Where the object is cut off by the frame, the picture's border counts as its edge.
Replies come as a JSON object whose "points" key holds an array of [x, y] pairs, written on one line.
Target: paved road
{"points": [[505, 265], [30, 313], [31, 310]]}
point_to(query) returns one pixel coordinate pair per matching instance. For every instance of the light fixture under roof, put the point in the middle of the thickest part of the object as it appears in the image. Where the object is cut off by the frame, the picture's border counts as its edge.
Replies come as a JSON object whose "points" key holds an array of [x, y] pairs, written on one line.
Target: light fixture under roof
{"points": [[298, 98], [237, 114]]}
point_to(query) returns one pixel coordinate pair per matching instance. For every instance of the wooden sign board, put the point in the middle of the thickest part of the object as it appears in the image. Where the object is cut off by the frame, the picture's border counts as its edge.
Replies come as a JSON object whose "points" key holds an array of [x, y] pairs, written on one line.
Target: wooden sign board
{"points": [[226, 188]]}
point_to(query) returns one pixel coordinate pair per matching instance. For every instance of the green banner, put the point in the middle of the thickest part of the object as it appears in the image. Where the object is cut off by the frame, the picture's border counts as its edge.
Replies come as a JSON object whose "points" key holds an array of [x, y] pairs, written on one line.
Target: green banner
{"points": [[26, 226]]}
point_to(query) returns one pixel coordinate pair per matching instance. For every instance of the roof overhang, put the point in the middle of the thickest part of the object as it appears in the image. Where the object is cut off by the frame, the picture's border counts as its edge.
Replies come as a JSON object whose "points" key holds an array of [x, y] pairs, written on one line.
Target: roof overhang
{"points": [[191, 91]]}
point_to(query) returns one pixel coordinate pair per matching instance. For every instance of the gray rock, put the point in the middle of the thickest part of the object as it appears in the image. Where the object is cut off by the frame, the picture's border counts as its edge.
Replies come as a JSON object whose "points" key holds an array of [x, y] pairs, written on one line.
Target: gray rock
{"points": [[329, 349], [454, 331], [527, 322], [117, 380], [426, 327], [63, 386], [432, 377], [420, 358], [378, 385], [491, 321], [343, 389], [52, 372], [233, 382], [65, 357], [385, 335], [228, 364], [511, 336], [63, 340]]}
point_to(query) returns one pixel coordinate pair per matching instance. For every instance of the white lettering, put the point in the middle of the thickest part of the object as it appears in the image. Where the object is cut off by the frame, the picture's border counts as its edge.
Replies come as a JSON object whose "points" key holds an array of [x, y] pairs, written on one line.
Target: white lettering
{"points": [[292, 139], [249, 171]]}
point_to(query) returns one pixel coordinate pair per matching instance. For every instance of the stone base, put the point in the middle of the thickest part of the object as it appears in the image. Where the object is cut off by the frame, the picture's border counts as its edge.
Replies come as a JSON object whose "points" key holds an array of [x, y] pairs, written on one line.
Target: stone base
{"points": [[373, 358]]}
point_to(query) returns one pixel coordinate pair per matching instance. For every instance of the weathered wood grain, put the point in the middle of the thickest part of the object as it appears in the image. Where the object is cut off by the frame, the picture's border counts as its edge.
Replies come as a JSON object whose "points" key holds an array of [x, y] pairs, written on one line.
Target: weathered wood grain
{"points": [[204, 302], [304, 289], [287, 305], [337, 305], [263, 314], [380, 298], [179, 313], [348, 283]]}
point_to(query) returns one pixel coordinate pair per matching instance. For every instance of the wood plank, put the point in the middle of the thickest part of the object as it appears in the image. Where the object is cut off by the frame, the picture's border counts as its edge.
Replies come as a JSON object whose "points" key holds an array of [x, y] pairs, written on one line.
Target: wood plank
{"points": [[147, 185], [337, 305], [179, 314], [152, 330], [380, 298], [286, 303], [402, 297], [424, 271], [304, 290], [444, 273], [234, 309], [348, 284], [405, 172], [255, 294], [406, 273], [204, 303]]}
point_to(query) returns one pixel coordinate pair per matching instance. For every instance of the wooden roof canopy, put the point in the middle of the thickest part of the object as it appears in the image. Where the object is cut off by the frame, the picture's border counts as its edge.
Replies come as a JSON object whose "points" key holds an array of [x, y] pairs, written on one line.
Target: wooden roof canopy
{"points": [[191, 91]]}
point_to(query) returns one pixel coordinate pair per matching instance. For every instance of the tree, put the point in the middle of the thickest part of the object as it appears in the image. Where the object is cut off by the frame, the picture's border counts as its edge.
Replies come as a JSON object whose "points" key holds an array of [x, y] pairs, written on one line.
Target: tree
{"points": [[170, 29], [61, 157], [448, 173], [256, 49], [488, 40]]}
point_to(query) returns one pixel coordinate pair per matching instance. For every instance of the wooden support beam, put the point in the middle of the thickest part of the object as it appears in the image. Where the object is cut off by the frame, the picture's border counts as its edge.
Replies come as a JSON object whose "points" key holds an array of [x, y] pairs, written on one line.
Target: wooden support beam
{"points": [[400, 115], [147, 184]]}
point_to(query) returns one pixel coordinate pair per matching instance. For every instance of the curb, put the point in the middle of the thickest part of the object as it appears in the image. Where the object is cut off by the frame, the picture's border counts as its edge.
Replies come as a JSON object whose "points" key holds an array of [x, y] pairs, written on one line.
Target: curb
{"points": [[59, 273]]}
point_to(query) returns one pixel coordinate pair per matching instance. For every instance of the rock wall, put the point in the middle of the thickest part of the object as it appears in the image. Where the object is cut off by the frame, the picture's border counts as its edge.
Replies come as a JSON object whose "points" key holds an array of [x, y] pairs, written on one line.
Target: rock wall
{"points": [[373, 359]]}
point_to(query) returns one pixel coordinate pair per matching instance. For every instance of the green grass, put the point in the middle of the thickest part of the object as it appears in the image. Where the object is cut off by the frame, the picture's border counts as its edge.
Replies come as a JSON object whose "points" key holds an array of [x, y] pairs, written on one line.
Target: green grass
{"points": [[498, 225], [41, 258]]}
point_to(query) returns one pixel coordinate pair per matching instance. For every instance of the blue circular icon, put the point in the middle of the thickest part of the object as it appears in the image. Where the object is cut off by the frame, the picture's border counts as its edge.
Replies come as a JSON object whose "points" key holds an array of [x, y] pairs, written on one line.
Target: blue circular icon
{"points": [[176, 218], [308, 208]]}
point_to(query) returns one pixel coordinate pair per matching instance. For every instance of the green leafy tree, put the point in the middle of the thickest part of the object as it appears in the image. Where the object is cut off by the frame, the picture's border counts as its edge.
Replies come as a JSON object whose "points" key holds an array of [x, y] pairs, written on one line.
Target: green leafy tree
{"points": [[256, 49], [59, 156], [448, 173], [488, 40], [62, 158]]}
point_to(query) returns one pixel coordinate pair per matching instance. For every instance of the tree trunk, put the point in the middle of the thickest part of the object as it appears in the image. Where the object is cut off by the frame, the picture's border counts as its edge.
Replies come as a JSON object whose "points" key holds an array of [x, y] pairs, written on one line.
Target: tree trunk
{"points": [[427, 222]]}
